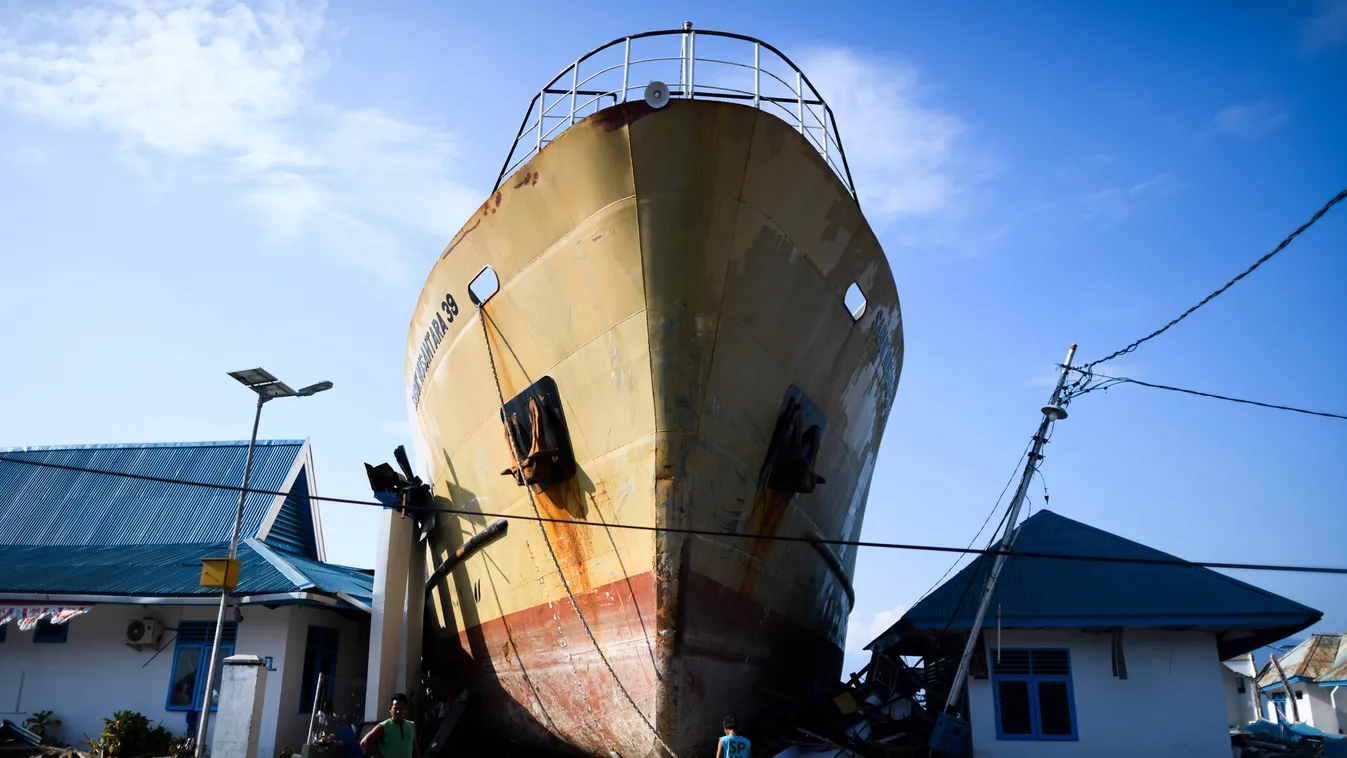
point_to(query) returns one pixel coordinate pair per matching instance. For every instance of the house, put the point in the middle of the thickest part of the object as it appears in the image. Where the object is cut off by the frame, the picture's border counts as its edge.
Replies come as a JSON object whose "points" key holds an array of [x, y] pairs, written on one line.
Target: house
{"points": [[1314, 669], [1091, 658], [1238, 676], [101, 581]]}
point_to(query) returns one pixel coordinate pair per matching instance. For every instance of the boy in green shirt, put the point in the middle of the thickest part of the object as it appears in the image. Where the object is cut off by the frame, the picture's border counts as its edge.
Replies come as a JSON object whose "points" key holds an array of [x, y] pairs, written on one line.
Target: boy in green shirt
{"points": [[394, 737]]}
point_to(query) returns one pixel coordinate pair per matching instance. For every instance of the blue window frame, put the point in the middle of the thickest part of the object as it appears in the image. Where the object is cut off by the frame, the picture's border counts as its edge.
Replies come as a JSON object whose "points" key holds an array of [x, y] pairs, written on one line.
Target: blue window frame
{"points": [[49, 633], [187, 683], [320, 656], [1033, 693]]}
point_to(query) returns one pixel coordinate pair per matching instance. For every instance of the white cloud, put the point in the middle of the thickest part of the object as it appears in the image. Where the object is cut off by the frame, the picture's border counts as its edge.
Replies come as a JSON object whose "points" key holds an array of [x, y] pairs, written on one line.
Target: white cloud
{"points": [[229, 85], [905, 157], [1251, 119], [1120, 202], [27, 156], [860, 635]]}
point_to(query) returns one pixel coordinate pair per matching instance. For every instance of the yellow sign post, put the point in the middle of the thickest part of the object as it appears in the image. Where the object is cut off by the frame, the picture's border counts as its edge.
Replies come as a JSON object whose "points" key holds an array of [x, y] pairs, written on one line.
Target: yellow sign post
{"points": [[220, 573]]}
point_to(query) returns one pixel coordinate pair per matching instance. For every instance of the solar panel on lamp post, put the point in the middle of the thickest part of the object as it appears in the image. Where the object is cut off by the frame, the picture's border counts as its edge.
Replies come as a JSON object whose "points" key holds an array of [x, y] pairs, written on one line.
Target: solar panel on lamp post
{"points": [[267, 387]]}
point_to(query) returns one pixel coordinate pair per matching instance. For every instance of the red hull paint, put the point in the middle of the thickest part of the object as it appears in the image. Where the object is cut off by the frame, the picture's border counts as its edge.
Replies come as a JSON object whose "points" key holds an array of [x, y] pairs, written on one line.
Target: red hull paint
{"points": [[540, 674]]}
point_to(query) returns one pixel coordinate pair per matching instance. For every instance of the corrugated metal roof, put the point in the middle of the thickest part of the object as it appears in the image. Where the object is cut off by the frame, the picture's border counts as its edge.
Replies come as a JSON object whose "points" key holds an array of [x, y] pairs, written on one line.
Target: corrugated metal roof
{"points": [[45, 506], [293, 531], [167, 571], [1314, 658], [1050, 592], [358, 583]]}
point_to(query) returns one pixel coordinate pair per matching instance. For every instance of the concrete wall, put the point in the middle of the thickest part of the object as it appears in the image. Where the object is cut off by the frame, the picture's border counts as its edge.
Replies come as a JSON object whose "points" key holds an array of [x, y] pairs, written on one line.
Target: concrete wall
{"points": [[283, 718], [1239, 708], [1316, 708], [94, 673], [1171, 704]]}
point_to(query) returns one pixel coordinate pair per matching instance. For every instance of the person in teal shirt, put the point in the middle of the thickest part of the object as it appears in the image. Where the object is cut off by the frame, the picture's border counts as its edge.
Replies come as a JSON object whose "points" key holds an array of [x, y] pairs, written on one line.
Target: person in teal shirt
{"points": [[395, 737], [733, 744]]}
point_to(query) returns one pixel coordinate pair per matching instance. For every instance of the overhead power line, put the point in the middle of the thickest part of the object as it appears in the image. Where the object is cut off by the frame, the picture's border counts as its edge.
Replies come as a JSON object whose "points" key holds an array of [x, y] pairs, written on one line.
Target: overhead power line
{"points": [[715, 533], [1336, 199], [995, 507], [1112, 381]]}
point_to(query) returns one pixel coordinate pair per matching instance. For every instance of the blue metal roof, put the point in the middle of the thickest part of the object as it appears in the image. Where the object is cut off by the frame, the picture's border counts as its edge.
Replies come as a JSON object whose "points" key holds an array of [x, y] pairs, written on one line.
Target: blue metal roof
{"points": [[134, 571], [293, 530], [1062, 593], [46, 506]]}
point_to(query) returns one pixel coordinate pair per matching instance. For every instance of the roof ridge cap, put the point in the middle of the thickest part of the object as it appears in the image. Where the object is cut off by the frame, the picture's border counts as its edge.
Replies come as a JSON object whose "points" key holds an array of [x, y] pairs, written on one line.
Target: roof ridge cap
{"points": [[288, 570]]}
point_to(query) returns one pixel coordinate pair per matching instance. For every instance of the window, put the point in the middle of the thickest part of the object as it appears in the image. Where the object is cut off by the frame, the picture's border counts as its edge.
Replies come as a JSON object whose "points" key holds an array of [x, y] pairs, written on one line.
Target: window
{"points": [[45, 631], [1033, 694], [320, 656], [3, 627], [1239, 685], [1300, 694], [190, 659], [854, 299]]}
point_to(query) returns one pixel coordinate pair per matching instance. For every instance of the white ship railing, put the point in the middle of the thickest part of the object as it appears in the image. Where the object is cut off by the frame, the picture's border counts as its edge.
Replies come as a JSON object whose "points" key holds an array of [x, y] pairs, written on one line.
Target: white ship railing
{"points": [[708, 65]]}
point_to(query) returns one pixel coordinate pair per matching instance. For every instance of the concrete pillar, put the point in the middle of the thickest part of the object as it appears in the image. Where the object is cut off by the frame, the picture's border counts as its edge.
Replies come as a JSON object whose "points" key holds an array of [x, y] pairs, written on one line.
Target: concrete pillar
{"points": [[416, 611], [237, 725], [390, 597]]}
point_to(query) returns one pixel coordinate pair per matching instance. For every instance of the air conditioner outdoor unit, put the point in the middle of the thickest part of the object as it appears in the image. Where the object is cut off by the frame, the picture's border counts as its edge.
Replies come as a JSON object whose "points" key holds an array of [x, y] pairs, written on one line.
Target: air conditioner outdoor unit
{"points": [[142, 632]]}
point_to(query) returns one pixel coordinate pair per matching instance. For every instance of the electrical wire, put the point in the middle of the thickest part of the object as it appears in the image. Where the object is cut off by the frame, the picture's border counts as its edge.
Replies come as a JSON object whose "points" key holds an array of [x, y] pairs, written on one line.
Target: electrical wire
{"points": [[996, 506], [736, 535], [972, 576], [1113, 381], [1336, 199]]}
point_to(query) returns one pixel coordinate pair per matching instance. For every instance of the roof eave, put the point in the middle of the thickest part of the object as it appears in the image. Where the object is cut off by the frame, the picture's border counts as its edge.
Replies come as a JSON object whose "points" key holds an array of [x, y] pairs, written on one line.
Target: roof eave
{"points": [[256, 598], [1211, 623]]}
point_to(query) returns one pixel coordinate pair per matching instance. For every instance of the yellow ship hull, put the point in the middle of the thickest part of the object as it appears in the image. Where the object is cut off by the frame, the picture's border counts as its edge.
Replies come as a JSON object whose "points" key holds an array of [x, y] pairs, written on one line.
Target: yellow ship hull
{"points": [[676, 272]]}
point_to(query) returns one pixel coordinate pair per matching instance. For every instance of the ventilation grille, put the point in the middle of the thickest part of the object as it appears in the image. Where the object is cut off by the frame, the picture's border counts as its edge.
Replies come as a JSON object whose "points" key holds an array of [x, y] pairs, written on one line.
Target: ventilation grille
{"points": [[204, 632], [1022, 662]]}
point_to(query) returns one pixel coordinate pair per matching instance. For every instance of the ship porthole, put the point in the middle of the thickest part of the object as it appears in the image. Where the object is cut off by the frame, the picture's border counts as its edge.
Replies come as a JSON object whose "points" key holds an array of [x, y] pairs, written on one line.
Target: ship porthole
{"points": [[483, 286], [855, 301]]}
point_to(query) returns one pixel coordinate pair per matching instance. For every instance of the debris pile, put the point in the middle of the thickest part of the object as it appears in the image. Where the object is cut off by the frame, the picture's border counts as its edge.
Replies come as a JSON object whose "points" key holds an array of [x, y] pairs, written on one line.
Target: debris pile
{"points": [[879, 713], [1265, 739]]}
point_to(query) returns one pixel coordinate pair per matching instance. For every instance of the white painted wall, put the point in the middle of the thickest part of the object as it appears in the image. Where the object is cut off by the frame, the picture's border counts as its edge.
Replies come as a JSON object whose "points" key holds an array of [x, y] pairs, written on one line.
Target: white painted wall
{"points": [[1316, 706], [94, 673], [286, 724], [1338, 696], [1320, 713], [1239, 708], [1171, 704]]}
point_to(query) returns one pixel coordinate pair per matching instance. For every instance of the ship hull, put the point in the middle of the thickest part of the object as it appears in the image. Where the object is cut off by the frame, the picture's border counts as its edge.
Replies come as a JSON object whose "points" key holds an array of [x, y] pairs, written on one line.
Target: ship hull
{"points": [[676, 273]]}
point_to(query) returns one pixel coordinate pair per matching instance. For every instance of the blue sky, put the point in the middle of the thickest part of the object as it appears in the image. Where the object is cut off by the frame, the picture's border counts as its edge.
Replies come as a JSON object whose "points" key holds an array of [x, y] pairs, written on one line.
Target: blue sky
{"points": [[191, 188]]}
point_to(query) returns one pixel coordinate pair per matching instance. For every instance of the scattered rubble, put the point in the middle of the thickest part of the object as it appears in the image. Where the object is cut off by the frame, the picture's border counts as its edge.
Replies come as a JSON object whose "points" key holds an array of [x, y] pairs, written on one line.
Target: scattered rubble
{"points": [[878, 713], [1264, 738]]}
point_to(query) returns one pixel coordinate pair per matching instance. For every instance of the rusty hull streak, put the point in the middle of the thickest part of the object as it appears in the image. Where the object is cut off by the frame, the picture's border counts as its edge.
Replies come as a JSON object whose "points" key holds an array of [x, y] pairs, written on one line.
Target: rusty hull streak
{"points": [[572, 543]]}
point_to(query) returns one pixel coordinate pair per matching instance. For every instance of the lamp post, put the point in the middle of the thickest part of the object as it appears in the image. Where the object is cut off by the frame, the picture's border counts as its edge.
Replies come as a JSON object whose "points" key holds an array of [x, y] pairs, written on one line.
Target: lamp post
{"points": [[267, 387]]}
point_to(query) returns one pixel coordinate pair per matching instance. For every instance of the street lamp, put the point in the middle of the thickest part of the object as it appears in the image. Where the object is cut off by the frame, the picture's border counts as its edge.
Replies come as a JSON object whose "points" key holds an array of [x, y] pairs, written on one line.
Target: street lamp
{"points": [[267, 387]]}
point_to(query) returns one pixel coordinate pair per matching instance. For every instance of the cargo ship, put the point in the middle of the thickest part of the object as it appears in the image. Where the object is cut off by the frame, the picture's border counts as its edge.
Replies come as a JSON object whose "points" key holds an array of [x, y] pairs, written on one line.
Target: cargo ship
{"points": [[667, 327]]}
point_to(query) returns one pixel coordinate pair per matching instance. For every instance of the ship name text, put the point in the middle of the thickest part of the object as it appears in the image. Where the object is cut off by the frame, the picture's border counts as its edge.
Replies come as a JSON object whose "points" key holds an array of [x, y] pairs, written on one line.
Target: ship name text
{"points": [[430, 343]]}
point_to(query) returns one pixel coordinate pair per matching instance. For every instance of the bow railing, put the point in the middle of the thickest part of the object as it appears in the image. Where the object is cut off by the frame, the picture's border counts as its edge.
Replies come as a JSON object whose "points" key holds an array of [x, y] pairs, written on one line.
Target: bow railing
{"points": [[707, 65]]}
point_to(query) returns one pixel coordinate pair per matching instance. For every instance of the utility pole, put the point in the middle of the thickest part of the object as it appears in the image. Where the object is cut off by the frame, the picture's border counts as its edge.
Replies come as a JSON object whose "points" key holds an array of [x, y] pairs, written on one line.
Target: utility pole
{"points": [[267, 387], [951, 731], [1290, 696], [1253, 687]]}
